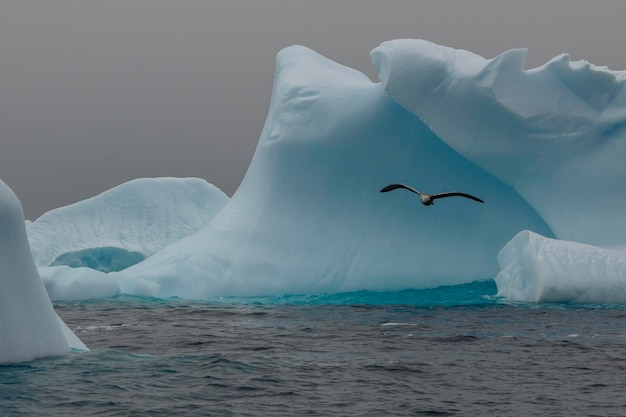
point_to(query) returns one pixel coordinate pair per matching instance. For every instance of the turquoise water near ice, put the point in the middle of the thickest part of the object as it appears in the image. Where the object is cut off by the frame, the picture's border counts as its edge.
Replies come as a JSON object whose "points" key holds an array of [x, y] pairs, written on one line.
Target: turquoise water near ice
{"points": [[475, 293], [449, 351]]}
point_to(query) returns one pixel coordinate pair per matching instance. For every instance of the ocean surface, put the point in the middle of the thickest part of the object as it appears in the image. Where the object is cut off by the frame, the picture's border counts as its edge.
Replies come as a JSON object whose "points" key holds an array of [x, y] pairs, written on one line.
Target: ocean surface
{"points": [[451, 351]]}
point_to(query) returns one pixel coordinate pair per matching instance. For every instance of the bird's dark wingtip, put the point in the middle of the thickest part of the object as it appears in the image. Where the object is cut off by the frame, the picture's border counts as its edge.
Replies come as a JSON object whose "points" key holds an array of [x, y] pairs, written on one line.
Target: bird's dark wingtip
{"points": [[476, 199], [388, 188]]}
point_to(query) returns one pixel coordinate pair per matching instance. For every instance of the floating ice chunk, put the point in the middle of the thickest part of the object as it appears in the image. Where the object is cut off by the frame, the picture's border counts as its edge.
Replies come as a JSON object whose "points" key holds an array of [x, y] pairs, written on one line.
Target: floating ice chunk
{"points": [[539, 269], [69, 284], [125, 224], [64, 283], [29, 327], [136, 286]]}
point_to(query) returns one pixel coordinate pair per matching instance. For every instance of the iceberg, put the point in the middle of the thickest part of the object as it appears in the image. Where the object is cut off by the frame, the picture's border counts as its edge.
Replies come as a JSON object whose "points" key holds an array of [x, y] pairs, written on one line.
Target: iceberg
{"points": [[124, 225], [539, 269], [542, 147], [77, 246], [309, 218], [29, 327]]}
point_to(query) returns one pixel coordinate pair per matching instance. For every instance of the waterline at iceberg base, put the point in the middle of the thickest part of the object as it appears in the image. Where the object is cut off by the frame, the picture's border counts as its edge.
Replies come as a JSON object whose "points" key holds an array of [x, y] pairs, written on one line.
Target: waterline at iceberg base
{"points": [[542, 147]]}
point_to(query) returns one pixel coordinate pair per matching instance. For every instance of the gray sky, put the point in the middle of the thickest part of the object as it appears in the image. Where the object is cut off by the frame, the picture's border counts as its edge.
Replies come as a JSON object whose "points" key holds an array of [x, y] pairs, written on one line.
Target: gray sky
{"points": [[95, 93]]}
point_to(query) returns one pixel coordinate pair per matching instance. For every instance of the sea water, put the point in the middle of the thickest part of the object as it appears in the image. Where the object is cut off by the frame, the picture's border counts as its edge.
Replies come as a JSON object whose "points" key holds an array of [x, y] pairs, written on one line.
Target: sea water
{"points": [[451, 351]]}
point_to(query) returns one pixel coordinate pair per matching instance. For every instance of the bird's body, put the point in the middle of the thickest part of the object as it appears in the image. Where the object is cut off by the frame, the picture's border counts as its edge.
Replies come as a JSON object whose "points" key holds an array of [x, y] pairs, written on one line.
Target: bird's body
{"points": [[428, 199]]}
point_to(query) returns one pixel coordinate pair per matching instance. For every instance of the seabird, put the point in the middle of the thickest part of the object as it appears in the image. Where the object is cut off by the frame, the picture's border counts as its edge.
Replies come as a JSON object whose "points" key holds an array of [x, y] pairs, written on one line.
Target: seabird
{"points": [[428, 199]]}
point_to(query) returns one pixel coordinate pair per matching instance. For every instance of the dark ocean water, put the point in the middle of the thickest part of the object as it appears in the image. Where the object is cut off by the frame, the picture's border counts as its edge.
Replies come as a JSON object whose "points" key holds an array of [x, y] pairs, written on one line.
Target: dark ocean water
{"points": [[452, 351]]}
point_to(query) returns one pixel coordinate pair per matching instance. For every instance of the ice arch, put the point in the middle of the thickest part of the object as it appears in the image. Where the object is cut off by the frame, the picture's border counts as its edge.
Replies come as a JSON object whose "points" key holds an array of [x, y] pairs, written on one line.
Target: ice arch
{"points": [[106, 259]]}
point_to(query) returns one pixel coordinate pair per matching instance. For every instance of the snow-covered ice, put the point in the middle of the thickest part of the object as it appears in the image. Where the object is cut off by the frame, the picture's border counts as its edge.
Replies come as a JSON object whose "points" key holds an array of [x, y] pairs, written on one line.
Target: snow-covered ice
{"points": [[29, 327]]}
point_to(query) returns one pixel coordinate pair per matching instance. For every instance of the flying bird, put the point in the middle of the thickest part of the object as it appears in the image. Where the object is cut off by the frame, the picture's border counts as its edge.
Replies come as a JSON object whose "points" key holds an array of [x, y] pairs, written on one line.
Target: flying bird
{"points": [[428, 199]]}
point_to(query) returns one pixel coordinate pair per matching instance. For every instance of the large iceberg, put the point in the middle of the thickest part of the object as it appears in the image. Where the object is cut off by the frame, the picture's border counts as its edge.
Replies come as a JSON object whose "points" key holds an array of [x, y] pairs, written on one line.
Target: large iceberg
{"points": [[309, 218], [29, 327], [542, 147]]}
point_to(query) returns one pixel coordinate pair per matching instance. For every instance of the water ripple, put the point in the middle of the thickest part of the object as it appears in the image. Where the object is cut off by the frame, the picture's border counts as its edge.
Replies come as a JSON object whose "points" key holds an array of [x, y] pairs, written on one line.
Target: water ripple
{"points": [[175, 357]]}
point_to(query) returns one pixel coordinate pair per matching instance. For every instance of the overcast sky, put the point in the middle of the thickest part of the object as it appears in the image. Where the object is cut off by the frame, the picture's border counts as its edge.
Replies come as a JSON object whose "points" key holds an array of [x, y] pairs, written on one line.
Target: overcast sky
{"points": [[95, 93]]}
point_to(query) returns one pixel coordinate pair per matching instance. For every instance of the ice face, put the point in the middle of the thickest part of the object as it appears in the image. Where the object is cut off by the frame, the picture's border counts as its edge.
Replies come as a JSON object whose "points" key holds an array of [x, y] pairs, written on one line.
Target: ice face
{"points": [[538, 269], [29, 327], [309, 217], [125, 224], [556, 133]]}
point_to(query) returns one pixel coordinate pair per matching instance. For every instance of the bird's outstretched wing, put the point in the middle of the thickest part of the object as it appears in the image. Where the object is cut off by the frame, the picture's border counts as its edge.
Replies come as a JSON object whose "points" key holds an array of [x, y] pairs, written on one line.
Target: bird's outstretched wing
{"points": [[457, 194], [392, 187]]}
